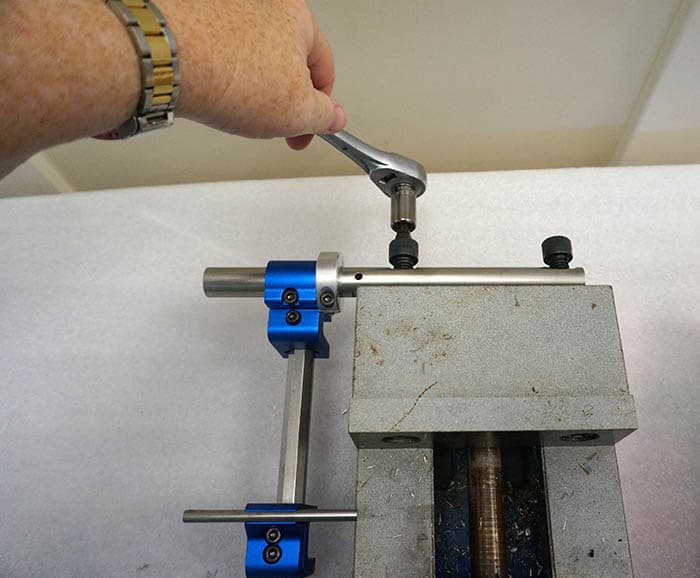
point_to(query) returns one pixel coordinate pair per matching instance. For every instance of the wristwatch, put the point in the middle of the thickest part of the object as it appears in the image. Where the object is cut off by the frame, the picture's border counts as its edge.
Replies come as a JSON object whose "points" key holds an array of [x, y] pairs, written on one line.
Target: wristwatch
{"points": [[160, 67]]}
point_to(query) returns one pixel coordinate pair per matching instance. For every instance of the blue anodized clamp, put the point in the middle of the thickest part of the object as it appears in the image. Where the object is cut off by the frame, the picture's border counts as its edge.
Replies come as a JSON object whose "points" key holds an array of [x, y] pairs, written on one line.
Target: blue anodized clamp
{"points": [[296, 324], [295, 321], [278, 550]]}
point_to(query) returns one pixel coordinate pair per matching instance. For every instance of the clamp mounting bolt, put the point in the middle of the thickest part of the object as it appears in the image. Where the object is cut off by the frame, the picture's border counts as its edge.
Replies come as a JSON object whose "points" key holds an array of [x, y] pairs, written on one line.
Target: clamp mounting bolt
{"points": [[272, 554], [293, 317], [290, 296]]}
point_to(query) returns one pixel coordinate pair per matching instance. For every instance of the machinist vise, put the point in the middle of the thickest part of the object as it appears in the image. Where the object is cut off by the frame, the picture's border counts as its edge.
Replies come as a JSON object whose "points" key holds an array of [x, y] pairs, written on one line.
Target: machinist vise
{"points": [[485, 406]]}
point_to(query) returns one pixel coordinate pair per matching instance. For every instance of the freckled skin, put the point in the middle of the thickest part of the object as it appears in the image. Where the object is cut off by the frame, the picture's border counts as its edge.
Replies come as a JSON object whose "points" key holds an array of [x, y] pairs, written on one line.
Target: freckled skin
{"points": [[255, 68]]}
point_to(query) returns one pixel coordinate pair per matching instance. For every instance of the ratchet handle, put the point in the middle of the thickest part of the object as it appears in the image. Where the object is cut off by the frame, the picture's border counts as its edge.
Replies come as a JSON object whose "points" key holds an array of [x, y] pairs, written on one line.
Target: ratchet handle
{"points": [[358, 151]]}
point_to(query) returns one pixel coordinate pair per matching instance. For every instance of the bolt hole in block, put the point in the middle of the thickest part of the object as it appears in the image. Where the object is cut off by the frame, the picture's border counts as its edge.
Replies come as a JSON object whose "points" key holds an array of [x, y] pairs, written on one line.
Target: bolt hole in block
{"points": [[401, 440], [580, 437]]}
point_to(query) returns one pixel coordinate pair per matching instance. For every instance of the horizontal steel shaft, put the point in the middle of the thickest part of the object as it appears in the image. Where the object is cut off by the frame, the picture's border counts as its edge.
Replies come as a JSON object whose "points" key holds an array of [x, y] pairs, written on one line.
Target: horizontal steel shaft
{"points": [[205, 516], [250, 282]]}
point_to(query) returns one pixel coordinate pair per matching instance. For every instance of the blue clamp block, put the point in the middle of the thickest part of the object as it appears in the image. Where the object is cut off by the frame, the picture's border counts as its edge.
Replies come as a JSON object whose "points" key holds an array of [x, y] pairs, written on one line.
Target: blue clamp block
{"points": [[278, 549], [307, 330]]}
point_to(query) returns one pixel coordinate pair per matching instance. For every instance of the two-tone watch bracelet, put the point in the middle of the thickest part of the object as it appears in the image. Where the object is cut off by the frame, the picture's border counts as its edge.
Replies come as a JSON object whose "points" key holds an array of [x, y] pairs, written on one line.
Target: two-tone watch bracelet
{"points": [[160, 67]]}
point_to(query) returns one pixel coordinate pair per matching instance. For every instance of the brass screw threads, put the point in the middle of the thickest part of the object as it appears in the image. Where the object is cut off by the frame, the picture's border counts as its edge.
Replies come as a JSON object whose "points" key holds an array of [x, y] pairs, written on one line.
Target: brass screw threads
{"points": [[486, 517]]}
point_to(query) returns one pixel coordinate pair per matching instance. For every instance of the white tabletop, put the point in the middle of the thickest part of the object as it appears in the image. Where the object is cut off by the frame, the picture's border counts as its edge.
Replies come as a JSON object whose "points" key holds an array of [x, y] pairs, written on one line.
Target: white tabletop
{"points": [[127, 396]]}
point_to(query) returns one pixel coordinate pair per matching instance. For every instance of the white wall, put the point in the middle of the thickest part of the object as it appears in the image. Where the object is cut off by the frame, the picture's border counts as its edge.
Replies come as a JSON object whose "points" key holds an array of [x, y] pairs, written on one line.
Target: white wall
{"points": [[37, 176], [128, 397], [462, 85], [667, 129]]}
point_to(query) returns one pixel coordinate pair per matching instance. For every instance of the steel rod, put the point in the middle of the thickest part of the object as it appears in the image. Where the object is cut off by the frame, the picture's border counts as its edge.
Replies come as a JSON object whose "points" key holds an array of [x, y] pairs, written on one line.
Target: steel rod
{"points": [[295, 428], [250, 282], [205, 516], [234, 281], [351, 279]]}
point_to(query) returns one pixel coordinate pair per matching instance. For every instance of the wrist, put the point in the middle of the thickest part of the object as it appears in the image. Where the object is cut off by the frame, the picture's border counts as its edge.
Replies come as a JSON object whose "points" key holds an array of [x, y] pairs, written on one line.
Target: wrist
{"points": [[86, 87], [190, 28]]}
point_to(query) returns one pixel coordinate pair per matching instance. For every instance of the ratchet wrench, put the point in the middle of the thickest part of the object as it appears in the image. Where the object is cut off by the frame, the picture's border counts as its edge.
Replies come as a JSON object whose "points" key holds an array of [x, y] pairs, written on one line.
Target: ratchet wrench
{"points": [[400, 178]]}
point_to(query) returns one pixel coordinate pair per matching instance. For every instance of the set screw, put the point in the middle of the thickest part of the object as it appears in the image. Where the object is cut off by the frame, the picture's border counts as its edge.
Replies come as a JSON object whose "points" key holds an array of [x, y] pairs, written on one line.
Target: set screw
{"points": [[328, 298]]}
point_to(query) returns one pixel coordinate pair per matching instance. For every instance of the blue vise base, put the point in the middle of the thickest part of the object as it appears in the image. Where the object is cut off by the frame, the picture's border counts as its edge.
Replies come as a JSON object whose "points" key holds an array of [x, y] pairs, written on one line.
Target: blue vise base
{"points": [[292, 546], [307, 332]]}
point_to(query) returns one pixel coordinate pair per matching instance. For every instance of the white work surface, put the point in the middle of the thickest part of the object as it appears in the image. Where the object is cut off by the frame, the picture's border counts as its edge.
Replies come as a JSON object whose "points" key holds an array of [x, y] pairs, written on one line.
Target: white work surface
{"points": [[127, 396]]}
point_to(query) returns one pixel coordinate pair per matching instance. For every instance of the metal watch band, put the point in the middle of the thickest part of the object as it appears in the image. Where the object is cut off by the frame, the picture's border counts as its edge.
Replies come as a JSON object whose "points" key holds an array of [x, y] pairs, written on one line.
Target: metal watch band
{"points": [[160, 67]]}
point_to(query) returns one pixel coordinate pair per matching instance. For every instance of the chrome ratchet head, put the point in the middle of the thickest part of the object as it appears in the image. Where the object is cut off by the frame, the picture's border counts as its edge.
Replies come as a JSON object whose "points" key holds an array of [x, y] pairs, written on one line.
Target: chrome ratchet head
{"points": [[388, 171]]}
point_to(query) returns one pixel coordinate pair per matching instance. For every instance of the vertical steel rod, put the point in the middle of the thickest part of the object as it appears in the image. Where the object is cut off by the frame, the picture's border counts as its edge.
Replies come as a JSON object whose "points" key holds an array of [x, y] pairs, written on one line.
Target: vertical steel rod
{"points": [[295, 429], [487, 522]]}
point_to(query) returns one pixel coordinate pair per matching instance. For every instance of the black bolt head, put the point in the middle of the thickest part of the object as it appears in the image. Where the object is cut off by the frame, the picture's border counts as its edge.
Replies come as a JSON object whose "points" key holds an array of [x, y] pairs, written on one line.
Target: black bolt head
{"points": [[293, 317], [290, 296], [272, 554], [556, 252], [403, 251]]}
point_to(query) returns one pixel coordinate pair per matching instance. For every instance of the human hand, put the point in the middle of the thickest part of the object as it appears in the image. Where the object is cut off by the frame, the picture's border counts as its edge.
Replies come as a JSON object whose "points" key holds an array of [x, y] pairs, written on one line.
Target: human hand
{"points": [[255, 68]]}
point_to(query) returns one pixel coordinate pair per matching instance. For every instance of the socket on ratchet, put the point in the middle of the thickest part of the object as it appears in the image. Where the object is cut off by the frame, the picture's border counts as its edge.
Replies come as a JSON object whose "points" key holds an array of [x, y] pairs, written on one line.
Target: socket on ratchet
{"points": [[400, 178]]}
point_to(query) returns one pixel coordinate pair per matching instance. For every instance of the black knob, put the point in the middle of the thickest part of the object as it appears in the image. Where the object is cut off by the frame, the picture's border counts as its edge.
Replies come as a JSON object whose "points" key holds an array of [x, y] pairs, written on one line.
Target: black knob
{"points": [[556, 252]]}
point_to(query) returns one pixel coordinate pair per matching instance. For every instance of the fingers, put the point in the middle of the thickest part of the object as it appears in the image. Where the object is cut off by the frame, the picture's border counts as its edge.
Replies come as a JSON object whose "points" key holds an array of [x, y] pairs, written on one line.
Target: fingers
{"points": [[320, 126], [297, 143], [320, 62], [325, 116]]}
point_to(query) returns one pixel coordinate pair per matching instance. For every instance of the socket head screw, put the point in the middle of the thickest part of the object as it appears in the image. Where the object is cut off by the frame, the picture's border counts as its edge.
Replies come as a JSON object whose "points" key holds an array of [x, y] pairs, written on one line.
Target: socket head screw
{"points": [[293, 317], [272, 554], [290, 296], [327, 298], [403, 251], [273, 535], [556, 252]]}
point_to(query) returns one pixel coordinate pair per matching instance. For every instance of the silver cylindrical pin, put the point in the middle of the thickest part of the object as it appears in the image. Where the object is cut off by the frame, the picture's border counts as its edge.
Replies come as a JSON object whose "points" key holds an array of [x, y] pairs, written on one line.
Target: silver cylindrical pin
{"points": [[223, 516]]}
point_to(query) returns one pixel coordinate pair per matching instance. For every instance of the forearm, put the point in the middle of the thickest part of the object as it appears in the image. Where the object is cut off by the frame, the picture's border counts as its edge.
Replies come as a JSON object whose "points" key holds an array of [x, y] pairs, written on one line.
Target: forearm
{"points": [[257, 68], [68, 70]]}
